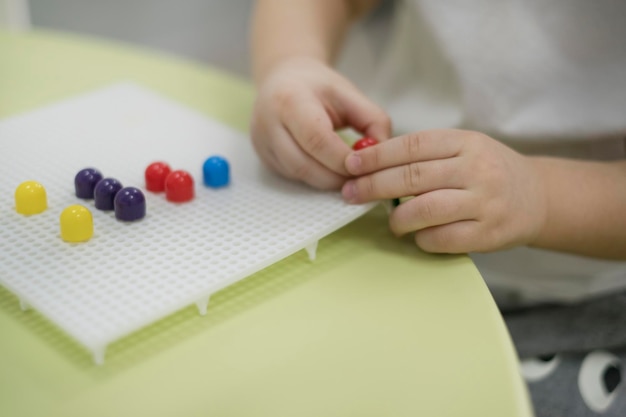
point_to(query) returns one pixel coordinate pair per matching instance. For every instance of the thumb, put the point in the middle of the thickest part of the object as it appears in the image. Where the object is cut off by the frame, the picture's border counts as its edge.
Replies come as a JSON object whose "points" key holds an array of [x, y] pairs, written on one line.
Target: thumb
{"points": [[360, 113]]}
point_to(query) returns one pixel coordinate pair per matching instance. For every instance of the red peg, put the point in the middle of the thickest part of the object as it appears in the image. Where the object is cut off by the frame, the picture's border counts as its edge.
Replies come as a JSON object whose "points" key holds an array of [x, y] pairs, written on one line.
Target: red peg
{"points": [[364, 143], [179, 187], [156, 173]]}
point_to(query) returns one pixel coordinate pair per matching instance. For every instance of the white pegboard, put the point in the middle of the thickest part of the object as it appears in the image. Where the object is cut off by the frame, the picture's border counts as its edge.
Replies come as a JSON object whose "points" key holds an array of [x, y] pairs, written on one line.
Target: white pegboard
{"points": [[131, 274]]}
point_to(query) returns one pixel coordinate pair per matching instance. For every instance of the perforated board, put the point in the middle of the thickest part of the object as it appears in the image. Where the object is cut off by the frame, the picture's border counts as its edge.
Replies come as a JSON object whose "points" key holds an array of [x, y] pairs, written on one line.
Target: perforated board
{"points": [[131, 274]]}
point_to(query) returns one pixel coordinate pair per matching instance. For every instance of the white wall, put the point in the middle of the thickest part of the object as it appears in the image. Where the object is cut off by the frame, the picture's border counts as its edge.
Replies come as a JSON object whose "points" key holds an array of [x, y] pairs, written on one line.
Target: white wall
{"points": [[211, 31]]}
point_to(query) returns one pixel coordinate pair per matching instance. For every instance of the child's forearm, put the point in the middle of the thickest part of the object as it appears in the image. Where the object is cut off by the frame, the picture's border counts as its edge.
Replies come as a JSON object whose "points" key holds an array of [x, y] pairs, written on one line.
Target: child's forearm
{"points": [[312, 28], [586, 211]]}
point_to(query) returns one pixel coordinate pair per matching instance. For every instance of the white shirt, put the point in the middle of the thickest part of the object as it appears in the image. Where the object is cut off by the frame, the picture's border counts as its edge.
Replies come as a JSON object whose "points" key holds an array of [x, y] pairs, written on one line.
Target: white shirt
{"points": [[546, 77], [520, 70]]}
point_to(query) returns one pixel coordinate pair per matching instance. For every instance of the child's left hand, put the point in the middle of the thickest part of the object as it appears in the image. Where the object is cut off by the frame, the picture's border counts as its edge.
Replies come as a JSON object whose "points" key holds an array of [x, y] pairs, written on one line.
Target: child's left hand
{"points": [[472, 193]]}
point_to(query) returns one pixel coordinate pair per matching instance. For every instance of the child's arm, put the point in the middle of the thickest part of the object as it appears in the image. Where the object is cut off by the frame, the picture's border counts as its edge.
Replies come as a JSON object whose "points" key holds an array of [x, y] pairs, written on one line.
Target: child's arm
{"points": [[300, 28], [301, 100], [586, 207], [474, 194]]}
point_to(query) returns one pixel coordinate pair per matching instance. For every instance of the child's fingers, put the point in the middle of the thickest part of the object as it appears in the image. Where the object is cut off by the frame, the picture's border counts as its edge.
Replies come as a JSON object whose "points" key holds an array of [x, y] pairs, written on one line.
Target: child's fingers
{"points": [[405, 180], [292, 162], [433, 209], [414, 147], [311, 127], [459, 237], [363, 115]]}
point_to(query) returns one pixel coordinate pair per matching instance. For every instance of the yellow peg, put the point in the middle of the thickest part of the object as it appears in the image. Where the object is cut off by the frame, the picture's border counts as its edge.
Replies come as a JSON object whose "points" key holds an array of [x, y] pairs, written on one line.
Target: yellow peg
{"points": [[30, 198], [76, 224]]}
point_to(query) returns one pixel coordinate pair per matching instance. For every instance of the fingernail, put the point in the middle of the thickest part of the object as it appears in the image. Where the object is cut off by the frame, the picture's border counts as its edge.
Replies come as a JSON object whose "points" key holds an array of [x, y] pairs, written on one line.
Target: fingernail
{"points": [[349, 191], [353, 162]]}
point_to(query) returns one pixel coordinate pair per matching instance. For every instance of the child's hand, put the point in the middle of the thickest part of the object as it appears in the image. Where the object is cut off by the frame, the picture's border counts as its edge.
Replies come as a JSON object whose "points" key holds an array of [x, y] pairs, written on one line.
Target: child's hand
{"points": [[299, 106], [473, 194]]}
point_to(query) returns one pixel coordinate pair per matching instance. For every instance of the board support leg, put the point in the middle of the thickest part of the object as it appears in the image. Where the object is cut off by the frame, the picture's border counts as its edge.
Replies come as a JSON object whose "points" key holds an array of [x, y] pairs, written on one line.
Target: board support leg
{"points": [[202, 305], [311, 250], [98, 355]]}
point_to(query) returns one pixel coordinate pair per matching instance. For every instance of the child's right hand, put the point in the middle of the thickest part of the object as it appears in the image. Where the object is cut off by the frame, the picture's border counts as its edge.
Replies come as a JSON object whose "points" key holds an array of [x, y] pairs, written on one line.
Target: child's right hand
{"points": [[300, 104]]}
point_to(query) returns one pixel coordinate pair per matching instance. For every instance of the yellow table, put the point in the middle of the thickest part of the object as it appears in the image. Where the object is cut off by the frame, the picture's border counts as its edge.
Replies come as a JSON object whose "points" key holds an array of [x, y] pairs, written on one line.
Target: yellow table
{"points": [[373, 327]]}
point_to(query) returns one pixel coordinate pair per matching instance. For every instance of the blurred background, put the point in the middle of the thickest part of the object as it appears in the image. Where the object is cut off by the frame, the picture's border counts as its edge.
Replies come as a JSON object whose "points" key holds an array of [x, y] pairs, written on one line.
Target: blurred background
{"points": [[214, 32], [210, 31]]}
